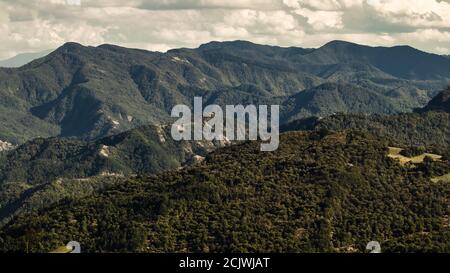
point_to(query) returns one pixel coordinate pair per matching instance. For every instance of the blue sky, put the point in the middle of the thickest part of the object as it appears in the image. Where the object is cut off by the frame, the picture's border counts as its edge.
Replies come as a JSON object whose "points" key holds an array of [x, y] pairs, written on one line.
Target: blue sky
{"points": [[36, 25]]}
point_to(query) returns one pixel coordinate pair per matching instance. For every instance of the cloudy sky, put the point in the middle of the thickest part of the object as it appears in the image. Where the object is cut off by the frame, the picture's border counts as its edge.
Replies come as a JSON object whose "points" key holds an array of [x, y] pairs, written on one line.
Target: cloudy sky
{"points": [[36, 25]]}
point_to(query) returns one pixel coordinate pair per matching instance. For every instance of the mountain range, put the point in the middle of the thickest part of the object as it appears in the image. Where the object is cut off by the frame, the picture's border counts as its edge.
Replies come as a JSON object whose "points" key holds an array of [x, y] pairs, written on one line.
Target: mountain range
{"points": [[92, 92], [86, 151]]}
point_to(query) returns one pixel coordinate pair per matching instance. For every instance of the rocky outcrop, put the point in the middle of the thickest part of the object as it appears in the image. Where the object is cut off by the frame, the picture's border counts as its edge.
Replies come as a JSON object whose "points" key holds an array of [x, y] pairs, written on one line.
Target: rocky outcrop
{"points": [[5, 146]]}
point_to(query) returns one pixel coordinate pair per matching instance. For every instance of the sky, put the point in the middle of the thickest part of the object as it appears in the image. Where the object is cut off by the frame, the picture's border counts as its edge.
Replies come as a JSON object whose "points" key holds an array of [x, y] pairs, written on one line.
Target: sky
{"points": [[159, 25]]}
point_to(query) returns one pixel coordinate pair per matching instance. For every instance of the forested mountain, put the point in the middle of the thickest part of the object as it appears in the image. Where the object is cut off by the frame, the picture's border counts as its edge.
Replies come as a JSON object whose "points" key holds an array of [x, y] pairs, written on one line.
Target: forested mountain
{"points": [[430, 129], [92, 92], [320, 192]]}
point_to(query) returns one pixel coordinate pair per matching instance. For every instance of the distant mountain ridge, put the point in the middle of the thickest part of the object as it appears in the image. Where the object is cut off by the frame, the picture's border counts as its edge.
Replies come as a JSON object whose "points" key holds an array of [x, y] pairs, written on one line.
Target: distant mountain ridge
{"points": [[92, 92], [24, 58]]}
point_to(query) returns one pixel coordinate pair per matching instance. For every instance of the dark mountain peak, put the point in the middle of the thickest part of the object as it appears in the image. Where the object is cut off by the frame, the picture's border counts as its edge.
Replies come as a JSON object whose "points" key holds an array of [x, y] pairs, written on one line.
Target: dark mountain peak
{"points": [[121, 49], [111, 47], [68, 55], [228, 44], [349, 47], [241, 45], [64, 58], [341, 52], [405, 50], [70, 47], [339, 44], [75, 50], [271, 55], [405, 47]]}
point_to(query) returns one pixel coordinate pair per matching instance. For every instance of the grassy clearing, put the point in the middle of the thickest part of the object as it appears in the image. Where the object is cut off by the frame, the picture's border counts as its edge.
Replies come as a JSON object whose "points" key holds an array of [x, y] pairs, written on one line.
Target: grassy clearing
{"points": [[443, 178], [394, 152]]}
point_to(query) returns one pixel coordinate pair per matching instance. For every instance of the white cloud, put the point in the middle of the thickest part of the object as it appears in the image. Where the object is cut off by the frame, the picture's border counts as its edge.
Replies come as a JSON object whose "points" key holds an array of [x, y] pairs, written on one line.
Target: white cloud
{"points": [[320, 19], [425, 13], [28, 26], [73, 2], [324, 5], [424, 35]]}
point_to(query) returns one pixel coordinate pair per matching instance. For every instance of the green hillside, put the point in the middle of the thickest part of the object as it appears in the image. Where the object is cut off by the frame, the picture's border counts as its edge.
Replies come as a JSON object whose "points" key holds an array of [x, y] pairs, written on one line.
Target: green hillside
{"points": [[320, 192], [27, 171], [428, 127]]}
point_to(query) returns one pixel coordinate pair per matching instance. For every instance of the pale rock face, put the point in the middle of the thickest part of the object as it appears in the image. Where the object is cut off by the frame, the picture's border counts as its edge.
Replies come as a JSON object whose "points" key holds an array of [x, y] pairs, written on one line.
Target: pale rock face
{"points": [[160, 131], [111, 174], [180, 60], [114, 122], [5, 146], [104, 151], [198, 158]]}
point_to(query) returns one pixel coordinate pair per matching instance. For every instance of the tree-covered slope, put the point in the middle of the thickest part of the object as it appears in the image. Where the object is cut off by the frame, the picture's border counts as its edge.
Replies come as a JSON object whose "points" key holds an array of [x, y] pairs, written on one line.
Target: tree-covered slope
{"points": [[429, 126], [331, 98], [439, 103], [26, 171], [320, 192], [430, 129]]}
